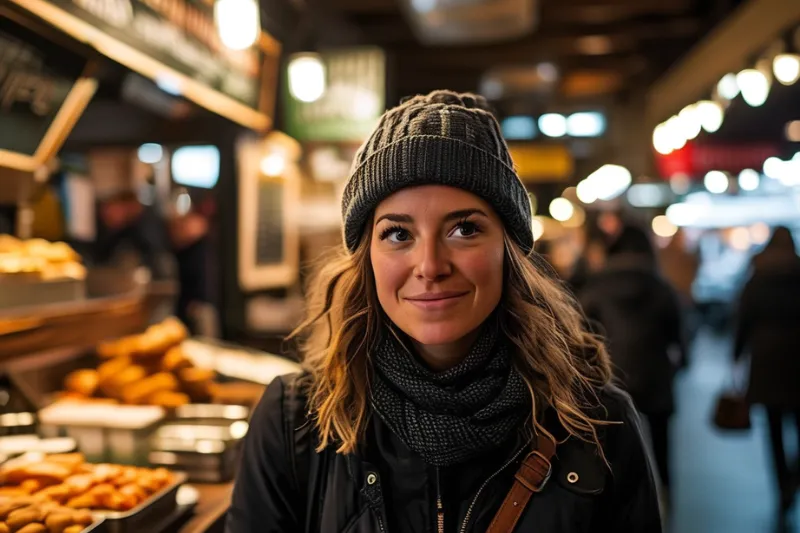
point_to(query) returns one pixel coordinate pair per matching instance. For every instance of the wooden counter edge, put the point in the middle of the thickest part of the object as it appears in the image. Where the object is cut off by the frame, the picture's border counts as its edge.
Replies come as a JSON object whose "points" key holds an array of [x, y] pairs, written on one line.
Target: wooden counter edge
{"points": [[213, 503]]}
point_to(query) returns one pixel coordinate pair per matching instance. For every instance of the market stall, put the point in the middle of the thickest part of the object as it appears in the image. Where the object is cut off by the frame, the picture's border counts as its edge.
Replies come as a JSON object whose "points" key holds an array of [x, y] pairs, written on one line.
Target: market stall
{"points": [[112, 417]]}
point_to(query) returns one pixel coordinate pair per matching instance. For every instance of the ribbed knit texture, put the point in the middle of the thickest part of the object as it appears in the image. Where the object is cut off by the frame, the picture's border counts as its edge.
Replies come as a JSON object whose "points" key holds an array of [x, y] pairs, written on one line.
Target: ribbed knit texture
{"points": [[442, 138], [449, 417]]}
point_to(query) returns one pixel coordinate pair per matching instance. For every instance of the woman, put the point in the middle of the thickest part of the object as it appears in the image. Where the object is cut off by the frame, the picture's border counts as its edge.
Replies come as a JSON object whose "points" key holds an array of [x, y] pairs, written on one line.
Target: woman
{"points": [[769, 308], [439, 359], [641, 317]]}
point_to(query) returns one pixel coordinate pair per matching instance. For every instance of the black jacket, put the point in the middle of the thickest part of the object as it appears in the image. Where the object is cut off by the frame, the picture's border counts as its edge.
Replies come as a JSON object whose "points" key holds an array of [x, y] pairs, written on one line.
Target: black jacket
{"points": [[387, 488], [769, 326], [641, 318]]}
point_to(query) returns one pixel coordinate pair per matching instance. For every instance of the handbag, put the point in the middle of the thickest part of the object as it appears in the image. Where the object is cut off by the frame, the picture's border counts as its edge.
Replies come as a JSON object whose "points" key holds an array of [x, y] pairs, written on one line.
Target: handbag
{"points": [[532, 476], [732, 411]]}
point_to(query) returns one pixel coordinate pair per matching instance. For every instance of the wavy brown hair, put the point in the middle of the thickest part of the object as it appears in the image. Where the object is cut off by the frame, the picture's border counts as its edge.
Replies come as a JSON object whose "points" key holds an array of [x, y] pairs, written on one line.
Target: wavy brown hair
{"points": [[561, 362]]}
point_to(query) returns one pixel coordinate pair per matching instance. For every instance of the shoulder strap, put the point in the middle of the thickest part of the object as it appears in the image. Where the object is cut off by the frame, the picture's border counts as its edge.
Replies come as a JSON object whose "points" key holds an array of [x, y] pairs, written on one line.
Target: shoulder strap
{"points": [[532, 476]]}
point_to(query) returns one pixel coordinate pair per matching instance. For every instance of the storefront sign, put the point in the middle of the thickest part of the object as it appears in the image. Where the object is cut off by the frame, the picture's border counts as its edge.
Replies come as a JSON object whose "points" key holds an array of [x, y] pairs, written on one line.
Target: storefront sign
{"points": [[698, 159], [353, 100], [42, 92], [539, 163], [175, 43]]}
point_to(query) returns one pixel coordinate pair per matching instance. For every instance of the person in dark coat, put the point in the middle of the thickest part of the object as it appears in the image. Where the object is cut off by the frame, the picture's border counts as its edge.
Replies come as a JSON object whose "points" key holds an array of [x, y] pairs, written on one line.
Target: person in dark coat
{"points": [[450, 385], [641, 318], [768, 326]]}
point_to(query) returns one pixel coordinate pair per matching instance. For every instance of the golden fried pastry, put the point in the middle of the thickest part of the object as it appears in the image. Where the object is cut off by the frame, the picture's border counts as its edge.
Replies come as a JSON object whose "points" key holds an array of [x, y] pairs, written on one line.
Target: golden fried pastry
{"points": [[73, 461], [174, 360], [33, 527], [4, 528], [115, 386], [83, 382], [137, 392], [168, 399], [111, 368], [73, 529], [10, 244], [22, 517], [10, 505], [45, 473], [57, 493], [196, 382]]}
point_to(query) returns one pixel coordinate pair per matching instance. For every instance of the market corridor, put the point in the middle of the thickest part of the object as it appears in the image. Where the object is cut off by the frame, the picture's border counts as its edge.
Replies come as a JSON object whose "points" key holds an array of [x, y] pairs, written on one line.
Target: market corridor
{"points": [[722, 482]]}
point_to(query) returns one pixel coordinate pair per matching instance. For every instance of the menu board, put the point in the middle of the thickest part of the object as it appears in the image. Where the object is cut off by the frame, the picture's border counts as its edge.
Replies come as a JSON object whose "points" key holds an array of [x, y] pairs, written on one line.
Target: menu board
{"points": [[269, 222], [269, 242], [175, 43], [36, 77]]}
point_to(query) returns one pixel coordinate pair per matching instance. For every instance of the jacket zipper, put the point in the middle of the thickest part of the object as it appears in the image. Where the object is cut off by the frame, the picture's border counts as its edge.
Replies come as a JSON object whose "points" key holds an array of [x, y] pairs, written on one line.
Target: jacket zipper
{"points": [[485, 483], [439, 505]]}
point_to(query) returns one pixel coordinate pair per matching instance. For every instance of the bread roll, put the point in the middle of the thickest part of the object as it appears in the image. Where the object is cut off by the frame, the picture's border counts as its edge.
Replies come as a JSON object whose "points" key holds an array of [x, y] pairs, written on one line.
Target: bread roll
{"points": [[83, 382]]}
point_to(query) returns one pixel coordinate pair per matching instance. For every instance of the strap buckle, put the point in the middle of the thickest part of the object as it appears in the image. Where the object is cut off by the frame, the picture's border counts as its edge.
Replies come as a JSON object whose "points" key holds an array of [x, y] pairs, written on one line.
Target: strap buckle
{"points": [[535, 471]]}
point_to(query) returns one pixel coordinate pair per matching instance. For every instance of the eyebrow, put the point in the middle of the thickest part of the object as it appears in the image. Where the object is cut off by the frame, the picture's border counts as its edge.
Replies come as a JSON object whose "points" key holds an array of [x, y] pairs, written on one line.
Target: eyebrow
{"points": [[454, 215]]}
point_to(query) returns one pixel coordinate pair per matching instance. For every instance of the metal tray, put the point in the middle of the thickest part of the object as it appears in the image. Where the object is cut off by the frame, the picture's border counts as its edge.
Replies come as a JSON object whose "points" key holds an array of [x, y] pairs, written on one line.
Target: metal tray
{"points": [[98, 526], [147, 514]]}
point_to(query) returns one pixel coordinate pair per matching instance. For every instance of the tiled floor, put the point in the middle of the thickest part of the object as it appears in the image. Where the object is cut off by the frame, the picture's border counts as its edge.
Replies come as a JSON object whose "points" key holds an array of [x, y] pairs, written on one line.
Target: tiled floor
{"points": [[722, 482]]}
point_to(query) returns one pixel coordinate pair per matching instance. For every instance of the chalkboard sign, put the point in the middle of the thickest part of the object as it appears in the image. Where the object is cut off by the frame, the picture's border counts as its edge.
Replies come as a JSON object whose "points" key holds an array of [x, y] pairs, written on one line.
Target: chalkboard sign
{"points": [[269, 222], [176, 44], [36, 76]]}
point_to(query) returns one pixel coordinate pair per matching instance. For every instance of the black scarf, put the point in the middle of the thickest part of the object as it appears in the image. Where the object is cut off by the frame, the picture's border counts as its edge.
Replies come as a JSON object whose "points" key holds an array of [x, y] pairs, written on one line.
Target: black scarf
{"points": [[449, 417]]}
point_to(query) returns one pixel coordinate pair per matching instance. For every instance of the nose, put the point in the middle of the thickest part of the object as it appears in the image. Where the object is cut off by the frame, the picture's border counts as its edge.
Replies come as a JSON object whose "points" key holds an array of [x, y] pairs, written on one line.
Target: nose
{"points": [[432, 260]]}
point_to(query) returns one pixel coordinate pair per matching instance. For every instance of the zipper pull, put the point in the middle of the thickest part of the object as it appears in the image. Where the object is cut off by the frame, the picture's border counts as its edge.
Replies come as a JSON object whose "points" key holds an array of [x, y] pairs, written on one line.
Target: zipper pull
{"points": [[439, 505]]}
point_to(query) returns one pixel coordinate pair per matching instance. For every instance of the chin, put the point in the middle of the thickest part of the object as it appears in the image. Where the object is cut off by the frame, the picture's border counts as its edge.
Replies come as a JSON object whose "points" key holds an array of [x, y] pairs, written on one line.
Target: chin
{"points": [[437, 334]]}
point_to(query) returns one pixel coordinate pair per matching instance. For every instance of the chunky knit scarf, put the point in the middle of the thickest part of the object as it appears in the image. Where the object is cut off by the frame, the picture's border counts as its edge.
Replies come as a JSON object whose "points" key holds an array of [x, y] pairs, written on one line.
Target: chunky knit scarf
{"points": [[449, 417]]}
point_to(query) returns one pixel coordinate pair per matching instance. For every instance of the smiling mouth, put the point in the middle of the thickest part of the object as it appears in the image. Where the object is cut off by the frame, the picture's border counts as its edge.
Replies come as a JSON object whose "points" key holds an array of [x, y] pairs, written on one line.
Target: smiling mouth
{"points": [[435, 301]]}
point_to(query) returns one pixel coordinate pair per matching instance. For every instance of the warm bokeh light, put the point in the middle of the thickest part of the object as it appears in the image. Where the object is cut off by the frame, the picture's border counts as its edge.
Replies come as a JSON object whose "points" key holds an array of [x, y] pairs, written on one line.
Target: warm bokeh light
{"points": [[754, 86], [759, 233], [749, 179], [663, 227], [307, 77], [786, 68], [716, 182], [561, 209]]}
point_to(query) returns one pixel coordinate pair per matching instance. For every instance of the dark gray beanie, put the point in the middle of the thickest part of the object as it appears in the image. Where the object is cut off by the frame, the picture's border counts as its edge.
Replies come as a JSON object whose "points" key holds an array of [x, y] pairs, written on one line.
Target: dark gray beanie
{"points": [[443, 138]]}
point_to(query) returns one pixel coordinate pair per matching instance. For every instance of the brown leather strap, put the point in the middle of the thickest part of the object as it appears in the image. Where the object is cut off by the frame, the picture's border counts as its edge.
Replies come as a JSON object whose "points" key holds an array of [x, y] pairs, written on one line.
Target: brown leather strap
{"points": [[531, 477]]}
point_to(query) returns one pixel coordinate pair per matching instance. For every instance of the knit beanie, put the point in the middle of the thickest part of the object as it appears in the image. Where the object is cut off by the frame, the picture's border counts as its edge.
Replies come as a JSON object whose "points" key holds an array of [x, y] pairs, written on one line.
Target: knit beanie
{"points": [[443, 138]]}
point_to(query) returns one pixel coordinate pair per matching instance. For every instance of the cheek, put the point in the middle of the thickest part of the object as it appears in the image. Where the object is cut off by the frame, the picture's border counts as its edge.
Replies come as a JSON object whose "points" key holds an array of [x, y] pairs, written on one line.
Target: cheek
{"points": [[390, 275], [484, 269]]}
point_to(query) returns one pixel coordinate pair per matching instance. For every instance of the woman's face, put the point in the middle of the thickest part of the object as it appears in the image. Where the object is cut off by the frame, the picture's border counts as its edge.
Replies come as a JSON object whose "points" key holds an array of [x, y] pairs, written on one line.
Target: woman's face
{"points": [[437, 254]]}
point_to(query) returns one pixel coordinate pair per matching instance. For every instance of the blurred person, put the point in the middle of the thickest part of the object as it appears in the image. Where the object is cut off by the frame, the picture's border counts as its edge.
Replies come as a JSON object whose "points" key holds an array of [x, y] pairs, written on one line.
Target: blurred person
{"points": [[131, 233], [680, 267], [443, 368], [189, 231], [641, 318], [768, 326]]}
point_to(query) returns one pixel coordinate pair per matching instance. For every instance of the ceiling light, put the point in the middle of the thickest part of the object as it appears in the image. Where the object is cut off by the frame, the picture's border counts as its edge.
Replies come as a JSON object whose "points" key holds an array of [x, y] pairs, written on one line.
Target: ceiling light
{"points": [[786, 68], [553, 125], [773, 167], [749, 179], [663, 227], [273, 165], [585, 192], [716, 182], [586, 124], [561, 209], [754, 86], [306, 77], [710, 115], [150, 153], [676, 133], [662, 142], [609, 181], [728, 88], [538, 228], [690, 122], [238, 23]]}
